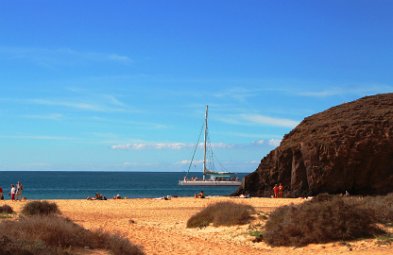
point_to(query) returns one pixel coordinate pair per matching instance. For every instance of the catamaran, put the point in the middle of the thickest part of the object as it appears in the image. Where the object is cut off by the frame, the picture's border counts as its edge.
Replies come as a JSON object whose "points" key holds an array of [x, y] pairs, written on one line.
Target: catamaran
{"points": [[210, 177]]}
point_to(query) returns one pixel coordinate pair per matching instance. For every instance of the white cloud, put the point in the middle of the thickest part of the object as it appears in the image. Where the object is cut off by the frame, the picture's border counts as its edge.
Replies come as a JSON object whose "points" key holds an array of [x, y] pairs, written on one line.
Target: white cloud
{"points": [[238, 93], [166, 146], [267, 120], [36, 137], [221, 145], [140, 124], [271, 142], [187, 162], [97, 104], [154, 146], [188, 146], [240, 134], [274, 142], [48, 57], [52, 116], [261, 141], [358, 90], [119, 58], [68, 104], [79, 99], [257, 119], [322, 93]]}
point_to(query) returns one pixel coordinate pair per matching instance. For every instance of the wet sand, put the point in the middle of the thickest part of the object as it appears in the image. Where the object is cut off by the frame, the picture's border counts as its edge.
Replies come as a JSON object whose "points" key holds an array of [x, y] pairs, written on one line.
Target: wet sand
{"points": [[159, 227]]}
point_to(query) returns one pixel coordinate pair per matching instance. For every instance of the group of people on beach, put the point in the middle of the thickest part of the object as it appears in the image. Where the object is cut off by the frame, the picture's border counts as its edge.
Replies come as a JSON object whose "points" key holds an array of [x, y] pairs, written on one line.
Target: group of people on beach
{"points": [[278, 191], [200, 194], [15, 192], [98, 196]]}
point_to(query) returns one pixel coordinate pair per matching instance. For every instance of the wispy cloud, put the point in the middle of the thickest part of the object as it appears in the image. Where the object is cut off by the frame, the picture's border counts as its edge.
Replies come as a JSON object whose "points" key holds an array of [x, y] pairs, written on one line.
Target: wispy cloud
{"points": [[245, 135], [258, 119], [86, 102], [51, 57], [321, 93], [261, 141], [237, 93], [270, 142], [52, 116], [274, 142], [36, 137], [156, 146], [138, 124], [119, 58], [87, 106], [181, 146], [187, 162], [357, 90], [165, 146], [267, 120]]}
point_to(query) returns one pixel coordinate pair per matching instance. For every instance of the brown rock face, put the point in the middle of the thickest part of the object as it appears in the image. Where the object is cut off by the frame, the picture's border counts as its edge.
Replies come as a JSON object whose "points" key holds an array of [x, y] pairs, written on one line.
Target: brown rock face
{"points": [[345, 148]]}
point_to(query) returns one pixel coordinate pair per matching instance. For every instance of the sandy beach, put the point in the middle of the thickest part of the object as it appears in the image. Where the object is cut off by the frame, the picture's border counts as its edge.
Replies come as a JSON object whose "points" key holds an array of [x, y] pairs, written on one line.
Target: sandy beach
{"points": [[159, 227]]}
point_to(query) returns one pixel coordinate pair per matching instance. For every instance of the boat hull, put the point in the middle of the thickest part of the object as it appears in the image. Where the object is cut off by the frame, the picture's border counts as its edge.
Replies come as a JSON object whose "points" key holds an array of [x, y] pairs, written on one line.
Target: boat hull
{"points": [[209, 183]]}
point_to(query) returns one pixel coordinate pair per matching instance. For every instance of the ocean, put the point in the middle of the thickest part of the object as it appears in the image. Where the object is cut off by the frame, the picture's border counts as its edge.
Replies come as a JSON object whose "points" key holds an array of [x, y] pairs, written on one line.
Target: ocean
{"points": [[80, 185]]}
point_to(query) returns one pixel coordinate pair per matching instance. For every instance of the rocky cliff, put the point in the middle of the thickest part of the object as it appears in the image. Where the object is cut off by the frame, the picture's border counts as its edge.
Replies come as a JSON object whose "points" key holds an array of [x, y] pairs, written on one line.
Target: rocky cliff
{"points": [[345, 148]]}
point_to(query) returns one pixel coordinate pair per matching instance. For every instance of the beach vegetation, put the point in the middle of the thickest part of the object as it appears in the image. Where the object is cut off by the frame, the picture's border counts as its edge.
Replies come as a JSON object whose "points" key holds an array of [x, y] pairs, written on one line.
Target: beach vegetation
{"points": [[386, 239], [6, 212], [6, 209], [380, 206], [222, 214], [323, 219], [56, 235], [40, 208], [5, 215], [257, 234], [263, 216]]}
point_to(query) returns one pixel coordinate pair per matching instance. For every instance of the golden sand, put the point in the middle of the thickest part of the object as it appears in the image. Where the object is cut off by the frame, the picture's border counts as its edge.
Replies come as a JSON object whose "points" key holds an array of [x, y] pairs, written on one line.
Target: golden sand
{"points": [[159, 227]]}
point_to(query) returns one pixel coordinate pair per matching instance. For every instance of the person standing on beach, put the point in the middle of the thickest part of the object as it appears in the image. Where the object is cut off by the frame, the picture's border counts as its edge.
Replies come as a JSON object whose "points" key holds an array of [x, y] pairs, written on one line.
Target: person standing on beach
{"points": [[280, 190], [275, 191], [1, 194], [12, 192], [19, 190]]}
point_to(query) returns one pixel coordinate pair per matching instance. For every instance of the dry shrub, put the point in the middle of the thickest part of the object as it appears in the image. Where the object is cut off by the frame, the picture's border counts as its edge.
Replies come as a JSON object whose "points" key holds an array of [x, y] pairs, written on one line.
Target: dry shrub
{"points": [[322, 220], [222, 214], [6, 209], [322, 198], [40, 208], [380, 206], [41, 235]]}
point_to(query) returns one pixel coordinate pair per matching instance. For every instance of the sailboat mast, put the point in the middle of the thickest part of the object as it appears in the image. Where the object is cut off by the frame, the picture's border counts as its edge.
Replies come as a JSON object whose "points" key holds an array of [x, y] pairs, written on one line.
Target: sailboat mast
{"points": [[204, 144]]}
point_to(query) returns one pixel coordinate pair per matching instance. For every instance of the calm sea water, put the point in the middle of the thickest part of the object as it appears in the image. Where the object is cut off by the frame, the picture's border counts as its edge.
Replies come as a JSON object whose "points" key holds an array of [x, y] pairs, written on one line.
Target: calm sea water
{"points": [[77, 185]]}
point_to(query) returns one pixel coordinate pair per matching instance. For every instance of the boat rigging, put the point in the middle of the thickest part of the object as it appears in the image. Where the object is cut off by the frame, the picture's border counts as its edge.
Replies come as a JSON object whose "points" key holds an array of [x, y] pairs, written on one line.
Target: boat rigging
{"points": [[210, 177]]}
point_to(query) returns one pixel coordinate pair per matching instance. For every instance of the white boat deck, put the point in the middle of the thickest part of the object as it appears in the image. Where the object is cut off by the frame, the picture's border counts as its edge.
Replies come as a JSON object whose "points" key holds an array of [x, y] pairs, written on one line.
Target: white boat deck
{"points": [[209, 183]]}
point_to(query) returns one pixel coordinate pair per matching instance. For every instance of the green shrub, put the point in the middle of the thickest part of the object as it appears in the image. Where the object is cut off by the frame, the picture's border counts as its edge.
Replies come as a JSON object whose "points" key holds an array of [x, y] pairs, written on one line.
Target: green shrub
{"points": [[6, 209], [386, 239], [42, 235], [329, 219], [40, 208], [258, 235], [222, 214]]}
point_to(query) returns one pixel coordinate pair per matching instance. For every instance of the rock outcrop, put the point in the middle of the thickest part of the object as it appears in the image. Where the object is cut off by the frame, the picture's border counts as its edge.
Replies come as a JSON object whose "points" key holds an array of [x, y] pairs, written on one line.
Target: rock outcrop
{"points": [[345, 148]]}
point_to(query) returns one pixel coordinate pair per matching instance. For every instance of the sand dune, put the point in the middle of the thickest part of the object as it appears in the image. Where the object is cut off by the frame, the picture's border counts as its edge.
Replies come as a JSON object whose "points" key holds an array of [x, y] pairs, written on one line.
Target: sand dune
{"points": [[159, 227]]}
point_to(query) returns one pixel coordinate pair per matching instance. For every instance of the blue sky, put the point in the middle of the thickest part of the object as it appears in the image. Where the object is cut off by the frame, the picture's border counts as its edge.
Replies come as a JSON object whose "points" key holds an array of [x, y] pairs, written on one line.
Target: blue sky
{"points": [[122, 85]]}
